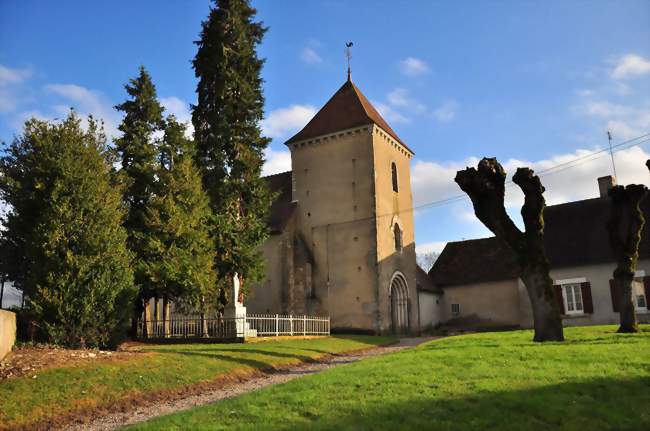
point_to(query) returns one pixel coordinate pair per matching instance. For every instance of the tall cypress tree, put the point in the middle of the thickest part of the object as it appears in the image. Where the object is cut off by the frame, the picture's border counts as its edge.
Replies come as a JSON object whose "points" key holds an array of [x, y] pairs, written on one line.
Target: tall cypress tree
{"points": [[64, 228], [228, 138], [143, 117], [179, 250]]}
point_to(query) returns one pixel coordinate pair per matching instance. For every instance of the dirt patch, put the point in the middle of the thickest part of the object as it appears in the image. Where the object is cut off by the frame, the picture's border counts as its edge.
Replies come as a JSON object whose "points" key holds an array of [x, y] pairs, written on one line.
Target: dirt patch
{"points": [[30, 360]]}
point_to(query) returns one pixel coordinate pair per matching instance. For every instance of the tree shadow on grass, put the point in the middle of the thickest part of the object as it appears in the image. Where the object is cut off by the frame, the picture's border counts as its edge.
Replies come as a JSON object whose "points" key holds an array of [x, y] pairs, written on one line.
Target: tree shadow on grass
{"points": [[599, 404], [269, 353], [234, 359]]}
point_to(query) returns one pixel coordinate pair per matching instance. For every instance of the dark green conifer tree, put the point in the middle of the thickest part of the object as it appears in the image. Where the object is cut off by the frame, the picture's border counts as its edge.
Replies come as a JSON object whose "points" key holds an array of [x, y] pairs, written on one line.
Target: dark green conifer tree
{"points": [[179, 250], [137, 152], [228, 138], [64, 234]]}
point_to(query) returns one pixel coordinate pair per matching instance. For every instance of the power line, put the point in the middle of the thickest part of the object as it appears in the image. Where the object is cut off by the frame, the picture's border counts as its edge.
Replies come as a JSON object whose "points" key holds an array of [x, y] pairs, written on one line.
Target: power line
{"points": [[544, 172], [553, 169]]}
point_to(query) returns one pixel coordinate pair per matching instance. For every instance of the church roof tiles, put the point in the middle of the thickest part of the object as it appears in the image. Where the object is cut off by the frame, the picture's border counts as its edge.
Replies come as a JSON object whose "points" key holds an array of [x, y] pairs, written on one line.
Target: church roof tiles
{"points": [[347, 108]]}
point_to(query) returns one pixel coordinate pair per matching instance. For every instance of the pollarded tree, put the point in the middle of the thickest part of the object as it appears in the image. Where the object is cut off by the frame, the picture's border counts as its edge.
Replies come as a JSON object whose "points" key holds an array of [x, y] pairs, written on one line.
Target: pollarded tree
{"points": [[137, 154], [64, 226], [624, 228], [486, 188], [179, 252], [228, 137]]}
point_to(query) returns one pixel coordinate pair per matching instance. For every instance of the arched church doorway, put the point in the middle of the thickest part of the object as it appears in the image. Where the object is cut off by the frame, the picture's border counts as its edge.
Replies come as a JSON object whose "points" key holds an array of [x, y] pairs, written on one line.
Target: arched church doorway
{"points": [[399, 304]]}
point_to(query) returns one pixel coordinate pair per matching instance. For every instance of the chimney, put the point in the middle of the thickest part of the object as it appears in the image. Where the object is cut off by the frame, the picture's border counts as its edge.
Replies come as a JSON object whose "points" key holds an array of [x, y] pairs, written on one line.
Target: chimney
{"points": [[606, 183]]}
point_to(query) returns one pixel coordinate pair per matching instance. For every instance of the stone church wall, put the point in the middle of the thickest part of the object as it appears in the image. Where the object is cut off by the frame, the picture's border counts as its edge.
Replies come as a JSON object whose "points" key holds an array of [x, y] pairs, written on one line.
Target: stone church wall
{"points": [[394, 208]]}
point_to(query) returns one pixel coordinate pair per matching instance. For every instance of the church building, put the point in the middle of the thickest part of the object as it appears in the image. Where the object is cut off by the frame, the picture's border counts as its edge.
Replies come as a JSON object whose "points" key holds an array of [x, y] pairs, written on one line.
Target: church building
{"points": [[342, 240]]}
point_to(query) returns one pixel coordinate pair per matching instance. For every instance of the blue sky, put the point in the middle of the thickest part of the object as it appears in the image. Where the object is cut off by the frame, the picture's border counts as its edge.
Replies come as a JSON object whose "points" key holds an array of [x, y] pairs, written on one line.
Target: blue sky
{"points": [[533, 83]]}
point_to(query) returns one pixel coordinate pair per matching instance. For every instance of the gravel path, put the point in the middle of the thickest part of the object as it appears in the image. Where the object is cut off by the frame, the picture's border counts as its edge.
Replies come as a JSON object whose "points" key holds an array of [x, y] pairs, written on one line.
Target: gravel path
{"points": [[117, 420]]}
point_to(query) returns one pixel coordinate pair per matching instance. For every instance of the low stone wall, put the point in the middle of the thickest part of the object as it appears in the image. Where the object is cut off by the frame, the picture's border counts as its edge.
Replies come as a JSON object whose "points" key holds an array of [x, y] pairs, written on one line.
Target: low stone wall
{"points": [[7, 332]]}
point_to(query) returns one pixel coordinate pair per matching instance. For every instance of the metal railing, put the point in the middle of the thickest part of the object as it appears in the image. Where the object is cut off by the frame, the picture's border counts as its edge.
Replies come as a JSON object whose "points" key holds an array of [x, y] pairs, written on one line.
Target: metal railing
{"points": [[251, 325], [273, 325]]}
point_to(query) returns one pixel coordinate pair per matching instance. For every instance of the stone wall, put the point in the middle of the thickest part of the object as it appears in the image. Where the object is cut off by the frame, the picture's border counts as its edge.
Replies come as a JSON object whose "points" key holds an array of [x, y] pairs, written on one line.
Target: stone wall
{"points": [[7, 332]]}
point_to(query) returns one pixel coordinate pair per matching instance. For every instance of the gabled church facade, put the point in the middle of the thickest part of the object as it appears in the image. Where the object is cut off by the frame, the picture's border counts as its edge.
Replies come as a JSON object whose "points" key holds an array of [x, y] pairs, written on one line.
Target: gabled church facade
{"points": [[342, 239]]}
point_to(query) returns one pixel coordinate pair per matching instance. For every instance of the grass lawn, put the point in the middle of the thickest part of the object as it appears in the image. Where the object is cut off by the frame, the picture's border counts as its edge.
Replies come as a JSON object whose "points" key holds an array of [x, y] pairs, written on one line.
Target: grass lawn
{"points": [[596, 380], [58, 392]]}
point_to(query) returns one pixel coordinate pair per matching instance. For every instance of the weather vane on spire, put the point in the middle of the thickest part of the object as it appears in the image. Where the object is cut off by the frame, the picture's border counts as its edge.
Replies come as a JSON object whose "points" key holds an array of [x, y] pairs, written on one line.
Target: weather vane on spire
{"points": [[348, 54]]}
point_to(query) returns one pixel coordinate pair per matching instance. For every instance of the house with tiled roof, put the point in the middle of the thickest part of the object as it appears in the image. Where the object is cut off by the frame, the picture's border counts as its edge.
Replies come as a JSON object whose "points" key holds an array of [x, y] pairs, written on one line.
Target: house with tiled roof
{"points": [[481, 287], [342, 241]]}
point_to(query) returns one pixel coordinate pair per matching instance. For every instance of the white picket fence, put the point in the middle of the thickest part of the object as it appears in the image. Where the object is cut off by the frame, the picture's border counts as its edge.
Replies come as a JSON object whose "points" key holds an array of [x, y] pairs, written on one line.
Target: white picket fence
{"points": [[274, 325], [252, 325]]}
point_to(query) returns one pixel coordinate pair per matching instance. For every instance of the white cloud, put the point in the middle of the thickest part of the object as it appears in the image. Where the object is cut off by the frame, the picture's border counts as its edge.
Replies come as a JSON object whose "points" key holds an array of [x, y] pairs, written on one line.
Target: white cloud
{"points": [[623, 121], [433, 181], [446, 112], [276, 162], [281, 122], [585, 93], [13, 76], [10, 83], [179, 109], [18, 121], [603, 109], [435, 246], [390, 114], [400, 98], [86, 102], [630, 66], [8, 101], [176, 107], [412, 66], [310, 56]]}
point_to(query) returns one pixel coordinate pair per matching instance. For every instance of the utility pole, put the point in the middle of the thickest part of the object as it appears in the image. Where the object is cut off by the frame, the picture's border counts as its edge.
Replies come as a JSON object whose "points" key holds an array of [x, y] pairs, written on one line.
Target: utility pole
{"points": [[611, 152]]}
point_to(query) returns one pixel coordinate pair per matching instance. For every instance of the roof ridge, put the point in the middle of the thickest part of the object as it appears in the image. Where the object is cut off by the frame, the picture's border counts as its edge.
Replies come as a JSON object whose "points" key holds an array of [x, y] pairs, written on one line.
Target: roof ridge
{"points": [[347, 108], [277, 174]]}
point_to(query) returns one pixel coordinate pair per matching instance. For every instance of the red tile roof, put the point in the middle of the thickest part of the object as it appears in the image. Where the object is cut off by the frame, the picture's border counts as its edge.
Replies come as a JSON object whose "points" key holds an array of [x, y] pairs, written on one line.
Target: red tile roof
{"points": [[348, 108]]}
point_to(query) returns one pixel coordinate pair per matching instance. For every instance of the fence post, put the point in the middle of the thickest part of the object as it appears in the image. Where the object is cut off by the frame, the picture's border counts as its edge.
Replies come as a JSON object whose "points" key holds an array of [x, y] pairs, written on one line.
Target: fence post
{"points": [[291, 324], [277, 327], [304, 325]]}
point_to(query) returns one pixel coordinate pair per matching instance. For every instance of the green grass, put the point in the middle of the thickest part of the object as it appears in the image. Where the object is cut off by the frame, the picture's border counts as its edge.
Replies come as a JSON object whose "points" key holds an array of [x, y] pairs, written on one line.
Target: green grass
{"points": [[69, 390], [596, 380]]}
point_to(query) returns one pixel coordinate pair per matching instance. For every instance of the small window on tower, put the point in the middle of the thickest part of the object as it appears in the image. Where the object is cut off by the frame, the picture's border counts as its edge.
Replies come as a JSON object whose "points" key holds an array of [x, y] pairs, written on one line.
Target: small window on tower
{"points": [[398, 237], [393, 168]]}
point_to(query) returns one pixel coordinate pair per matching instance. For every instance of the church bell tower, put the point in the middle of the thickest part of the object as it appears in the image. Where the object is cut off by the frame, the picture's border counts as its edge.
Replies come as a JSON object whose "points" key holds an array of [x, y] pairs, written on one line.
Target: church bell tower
{"points": [[351, 186]]}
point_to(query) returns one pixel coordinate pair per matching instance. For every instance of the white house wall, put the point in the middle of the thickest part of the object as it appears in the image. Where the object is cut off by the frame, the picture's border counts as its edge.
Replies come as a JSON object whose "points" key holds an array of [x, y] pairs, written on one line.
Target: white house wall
{"points": [[598, 276]]}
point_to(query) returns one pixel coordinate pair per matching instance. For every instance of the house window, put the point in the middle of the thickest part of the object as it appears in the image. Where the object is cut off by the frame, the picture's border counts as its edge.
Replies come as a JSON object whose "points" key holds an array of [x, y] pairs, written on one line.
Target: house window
{"points": [[398, 237], [638, 295], [393, 168], [572, 295], [455, 309]]}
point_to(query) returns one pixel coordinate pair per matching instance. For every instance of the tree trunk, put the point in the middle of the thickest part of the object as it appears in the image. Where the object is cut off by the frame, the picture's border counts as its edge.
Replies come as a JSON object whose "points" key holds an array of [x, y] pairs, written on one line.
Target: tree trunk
{"points": [[624, 228], [626, 305], [547, 325], [2, 292], [486, 188]]}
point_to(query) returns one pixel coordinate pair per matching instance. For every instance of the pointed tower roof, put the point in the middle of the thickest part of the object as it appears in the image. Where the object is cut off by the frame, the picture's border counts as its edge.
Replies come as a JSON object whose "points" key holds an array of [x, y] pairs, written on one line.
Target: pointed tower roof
{"points": [[348, 108]]}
